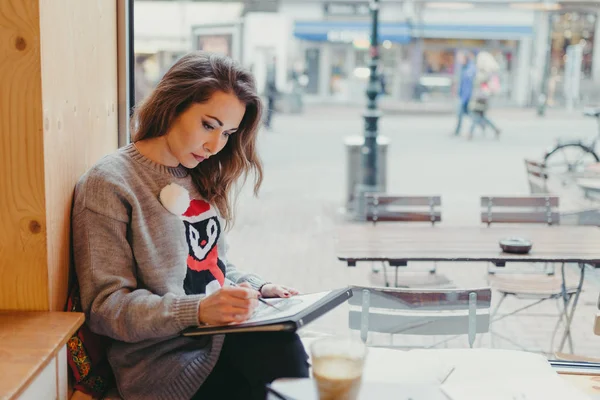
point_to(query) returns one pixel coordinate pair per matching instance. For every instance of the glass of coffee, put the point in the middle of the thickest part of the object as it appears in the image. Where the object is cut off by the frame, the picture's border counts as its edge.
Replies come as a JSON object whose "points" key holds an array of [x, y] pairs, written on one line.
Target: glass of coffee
{"points": [[338, 367]]}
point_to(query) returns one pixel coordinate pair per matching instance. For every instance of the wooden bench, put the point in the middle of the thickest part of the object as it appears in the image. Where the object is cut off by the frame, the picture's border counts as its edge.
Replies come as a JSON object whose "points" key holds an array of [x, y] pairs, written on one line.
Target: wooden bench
{"points": [[33, 352], [531, 210], [382, 208]]}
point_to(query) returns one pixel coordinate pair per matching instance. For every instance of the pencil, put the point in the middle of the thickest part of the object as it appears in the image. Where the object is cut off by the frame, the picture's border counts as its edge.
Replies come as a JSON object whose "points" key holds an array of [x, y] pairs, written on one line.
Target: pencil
{"points": [[259, 299]]}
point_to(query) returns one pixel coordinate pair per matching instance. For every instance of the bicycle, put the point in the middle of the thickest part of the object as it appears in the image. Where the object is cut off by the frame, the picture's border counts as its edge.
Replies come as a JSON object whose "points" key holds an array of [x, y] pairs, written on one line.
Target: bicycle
{"points": [[568, 160]]}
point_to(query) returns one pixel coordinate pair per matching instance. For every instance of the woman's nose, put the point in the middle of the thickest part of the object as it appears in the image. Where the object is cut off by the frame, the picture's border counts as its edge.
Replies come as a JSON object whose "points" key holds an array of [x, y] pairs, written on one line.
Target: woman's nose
{"points": [[211, 144]]}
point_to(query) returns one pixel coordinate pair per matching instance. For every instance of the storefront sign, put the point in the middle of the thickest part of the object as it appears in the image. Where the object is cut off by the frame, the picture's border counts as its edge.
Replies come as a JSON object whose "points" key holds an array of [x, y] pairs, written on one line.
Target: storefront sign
{"points": [[350, 31], [346, 36], [336, 9]]}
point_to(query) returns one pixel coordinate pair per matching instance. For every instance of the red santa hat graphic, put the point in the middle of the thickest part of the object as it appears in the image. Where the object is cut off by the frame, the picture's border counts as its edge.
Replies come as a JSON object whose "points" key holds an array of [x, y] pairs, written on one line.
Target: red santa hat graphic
{"points": [[176, 199]]}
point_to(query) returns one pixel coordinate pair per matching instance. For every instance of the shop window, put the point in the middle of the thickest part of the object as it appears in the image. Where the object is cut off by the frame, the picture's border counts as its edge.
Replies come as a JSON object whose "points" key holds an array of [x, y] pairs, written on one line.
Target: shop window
{"points": [[569, 29]]}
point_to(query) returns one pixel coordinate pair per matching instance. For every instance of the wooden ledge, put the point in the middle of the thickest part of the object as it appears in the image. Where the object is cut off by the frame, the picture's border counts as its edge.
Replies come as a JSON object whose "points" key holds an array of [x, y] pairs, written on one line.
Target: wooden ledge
{"points": [[28, 341]]}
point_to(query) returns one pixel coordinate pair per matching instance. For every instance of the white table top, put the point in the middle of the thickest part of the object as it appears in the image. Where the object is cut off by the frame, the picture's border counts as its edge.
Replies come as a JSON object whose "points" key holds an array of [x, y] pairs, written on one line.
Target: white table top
{"points": [[475, 374]]}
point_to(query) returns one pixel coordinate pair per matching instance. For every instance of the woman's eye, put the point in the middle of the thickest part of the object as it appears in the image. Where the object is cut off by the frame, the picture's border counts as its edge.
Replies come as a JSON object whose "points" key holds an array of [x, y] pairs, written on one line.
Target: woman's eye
{"points": [[207, 126], [226, 134]]}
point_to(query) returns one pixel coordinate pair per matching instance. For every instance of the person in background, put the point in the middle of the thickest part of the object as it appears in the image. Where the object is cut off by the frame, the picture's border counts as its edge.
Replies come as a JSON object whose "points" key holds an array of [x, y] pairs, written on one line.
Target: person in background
{"points": [[465, 90], [271, 93], [485, 86]]}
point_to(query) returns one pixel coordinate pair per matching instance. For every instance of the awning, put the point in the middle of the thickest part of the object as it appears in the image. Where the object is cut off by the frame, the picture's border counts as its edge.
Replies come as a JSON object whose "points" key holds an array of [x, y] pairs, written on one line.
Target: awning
{"points": [[402, 32], [447, 31], [339, 31]]}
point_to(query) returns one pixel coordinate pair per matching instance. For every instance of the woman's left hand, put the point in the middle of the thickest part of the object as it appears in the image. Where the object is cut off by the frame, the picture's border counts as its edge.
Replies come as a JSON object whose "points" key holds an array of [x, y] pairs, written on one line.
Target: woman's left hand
{"points": [[273, 290]]}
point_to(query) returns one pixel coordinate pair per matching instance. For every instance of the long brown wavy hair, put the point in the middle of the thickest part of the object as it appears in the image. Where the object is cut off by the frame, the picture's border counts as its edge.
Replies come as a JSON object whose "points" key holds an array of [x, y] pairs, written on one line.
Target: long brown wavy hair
{"points": [[194, 79]]}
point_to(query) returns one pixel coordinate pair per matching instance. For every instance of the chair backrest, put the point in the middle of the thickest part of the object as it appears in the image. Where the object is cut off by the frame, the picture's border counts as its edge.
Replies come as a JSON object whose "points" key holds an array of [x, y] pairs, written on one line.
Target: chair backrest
{"points": [[420, 311], [382, 207], [537, 176], [525, 210]]}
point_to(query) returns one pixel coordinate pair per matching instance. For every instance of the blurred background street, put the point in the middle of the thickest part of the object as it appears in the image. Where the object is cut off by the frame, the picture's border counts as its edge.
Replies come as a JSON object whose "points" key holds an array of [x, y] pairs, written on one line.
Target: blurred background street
{"points": [[312, 64], [287, 233]]}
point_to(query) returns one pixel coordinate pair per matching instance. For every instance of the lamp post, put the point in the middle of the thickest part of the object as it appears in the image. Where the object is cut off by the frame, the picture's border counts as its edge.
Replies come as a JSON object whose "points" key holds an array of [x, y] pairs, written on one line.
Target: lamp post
{"points": [[371, 116]]}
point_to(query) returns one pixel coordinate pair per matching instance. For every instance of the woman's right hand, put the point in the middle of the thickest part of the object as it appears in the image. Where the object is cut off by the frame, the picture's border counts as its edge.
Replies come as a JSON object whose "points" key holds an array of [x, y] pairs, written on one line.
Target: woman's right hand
{"points": [[228, 304]]}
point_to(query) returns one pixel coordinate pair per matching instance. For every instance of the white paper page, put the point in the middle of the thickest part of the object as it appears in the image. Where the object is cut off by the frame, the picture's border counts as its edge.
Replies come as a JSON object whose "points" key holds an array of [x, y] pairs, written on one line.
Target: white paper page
{"points": [[289, 307], [496, 374], [514, 389]]}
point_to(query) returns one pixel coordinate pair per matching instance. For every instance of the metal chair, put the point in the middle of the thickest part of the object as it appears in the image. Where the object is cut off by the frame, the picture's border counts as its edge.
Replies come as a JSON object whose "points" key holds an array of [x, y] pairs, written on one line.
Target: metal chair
{"points": [[537, 177], [538, 285], [381, 208], [453, 312], [577, 213]]}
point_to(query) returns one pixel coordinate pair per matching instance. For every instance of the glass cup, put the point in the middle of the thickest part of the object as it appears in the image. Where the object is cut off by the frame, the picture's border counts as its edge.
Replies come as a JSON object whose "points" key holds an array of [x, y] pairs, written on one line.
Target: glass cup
{"points": [[337, 365]]}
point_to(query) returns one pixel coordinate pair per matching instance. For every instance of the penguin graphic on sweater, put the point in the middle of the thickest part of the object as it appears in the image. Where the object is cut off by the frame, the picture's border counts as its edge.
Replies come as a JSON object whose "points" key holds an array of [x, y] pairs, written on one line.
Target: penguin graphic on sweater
{"points": [[205, 271]]}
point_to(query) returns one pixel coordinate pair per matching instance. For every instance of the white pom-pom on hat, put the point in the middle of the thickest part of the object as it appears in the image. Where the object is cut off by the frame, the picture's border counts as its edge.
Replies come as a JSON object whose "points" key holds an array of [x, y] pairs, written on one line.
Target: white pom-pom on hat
{"points": [[175, 198]]}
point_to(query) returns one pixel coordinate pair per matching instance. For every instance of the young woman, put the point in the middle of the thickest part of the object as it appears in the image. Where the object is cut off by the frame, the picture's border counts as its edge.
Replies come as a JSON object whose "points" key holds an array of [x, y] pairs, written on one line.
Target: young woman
{"points": [[149, 246]]}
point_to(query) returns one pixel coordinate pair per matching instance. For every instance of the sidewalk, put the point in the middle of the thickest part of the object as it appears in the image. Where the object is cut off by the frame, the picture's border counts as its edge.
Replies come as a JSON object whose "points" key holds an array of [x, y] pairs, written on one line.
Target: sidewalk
{"points": [[413, 108]]}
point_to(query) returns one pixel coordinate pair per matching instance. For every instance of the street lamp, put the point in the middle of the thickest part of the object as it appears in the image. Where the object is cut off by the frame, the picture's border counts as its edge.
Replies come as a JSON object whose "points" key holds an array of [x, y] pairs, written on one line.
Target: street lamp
{"points": [[371, 116]]}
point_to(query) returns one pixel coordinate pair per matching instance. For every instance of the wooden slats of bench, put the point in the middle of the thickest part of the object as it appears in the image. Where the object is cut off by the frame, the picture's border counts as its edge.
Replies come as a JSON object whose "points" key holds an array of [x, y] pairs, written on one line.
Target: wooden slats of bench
{"points": [[528, 210], [522, 218], [403, 200], [392, 208], [527, 201], [391, 216]]}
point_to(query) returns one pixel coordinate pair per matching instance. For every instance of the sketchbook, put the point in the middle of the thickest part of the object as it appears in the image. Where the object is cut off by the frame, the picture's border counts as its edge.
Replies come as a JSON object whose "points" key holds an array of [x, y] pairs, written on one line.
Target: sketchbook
{"points": [[291, 314]]}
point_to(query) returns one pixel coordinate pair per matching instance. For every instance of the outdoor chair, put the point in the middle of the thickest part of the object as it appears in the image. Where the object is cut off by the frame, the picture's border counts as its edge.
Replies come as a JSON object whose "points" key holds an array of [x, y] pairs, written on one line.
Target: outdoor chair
{"points": [[537, 177], [536, 284], [454, 312], [574, 210], [383, 208]]}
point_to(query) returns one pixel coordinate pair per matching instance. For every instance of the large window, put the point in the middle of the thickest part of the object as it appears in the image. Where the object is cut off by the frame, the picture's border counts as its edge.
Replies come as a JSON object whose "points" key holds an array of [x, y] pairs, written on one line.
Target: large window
{"points": [[313, 156]]}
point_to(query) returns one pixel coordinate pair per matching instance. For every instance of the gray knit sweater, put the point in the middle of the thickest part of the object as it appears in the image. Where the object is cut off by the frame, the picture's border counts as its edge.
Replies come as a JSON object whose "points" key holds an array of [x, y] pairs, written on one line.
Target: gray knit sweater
{"points": [[143, 259]]}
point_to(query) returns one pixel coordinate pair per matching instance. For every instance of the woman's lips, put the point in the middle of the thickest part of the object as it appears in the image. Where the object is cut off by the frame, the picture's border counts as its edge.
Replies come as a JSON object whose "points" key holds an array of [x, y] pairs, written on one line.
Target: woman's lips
{"points": [[198, 158]]}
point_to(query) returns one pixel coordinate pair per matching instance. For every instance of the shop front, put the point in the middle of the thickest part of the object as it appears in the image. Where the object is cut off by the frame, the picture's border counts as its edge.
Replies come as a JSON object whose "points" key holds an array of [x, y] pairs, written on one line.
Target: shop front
{"points": [[418, 61], [571, 71], [438, 68], [336, 56]]}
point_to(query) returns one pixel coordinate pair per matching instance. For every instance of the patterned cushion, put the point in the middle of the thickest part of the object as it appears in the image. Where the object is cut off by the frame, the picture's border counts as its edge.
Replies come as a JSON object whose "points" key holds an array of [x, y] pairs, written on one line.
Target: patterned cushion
{"points": [[87, 355]]}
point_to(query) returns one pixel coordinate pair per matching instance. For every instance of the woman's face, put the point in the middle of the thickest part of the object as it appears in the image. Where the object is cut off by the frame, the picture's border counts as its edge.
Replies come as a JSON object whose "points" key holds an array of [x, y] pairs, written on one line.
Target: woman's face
{"points": [[203, 129]]}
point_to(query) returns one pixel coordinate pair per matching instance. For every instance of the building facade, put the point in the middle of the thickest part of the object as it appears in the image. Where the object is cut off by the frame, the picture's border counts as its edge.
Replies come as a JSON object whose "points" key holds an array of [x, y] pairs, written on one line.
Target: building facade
{"points": [[323, 45], [419, 46]]}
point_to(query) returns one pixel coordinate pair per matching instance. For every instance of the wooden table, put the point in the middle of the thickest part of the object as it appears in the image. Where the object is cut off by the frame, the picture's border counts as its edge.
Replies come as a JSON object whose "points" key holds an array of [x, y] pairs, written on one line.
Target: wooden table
{"points": [[401, 243], [33, 359], [398, 243]]}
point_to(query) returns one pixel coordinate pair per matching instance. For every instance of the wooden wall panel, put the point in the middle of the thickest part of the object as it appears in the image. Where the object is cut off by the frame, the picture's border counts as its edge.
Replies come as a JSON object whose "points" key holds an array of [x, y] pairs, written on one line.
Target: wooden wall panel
{"points": [[79, 96], [23, 273], [58, 116]]}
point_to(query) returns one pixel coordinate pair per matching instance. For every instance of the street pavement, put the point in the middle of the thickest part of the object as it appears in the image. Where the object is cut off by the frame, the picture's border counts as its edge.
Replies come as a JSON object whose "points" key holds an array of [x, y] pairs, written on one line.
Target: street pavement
{"points": [[287, 233]]}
